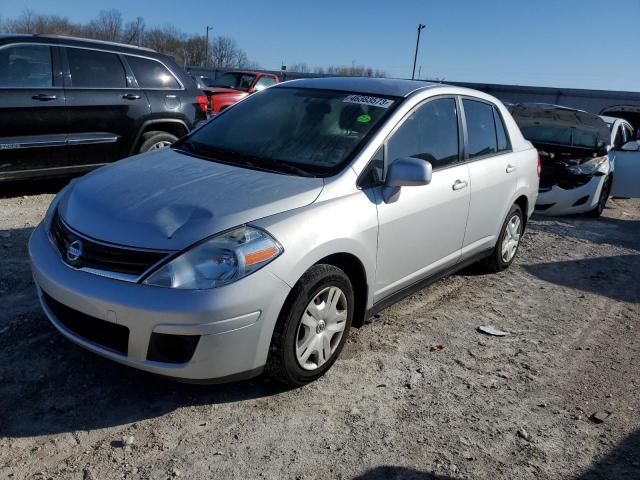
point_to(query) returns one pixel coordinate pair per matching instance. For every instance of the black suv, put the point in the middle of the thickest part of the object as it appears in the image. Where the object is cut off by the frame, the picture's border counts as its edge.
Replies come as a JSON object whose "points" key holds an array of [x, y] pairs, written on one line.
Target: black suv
{"points": [[68, 105]]}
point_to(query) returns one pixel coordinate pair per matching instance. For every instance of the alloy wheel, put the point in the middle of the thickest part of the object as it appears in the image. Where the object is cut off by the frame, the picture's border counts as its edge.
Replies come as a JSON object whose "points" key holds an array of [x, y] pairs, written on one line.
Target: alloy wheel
{"points": [[511, 238], [321, 328], [160, 145]]}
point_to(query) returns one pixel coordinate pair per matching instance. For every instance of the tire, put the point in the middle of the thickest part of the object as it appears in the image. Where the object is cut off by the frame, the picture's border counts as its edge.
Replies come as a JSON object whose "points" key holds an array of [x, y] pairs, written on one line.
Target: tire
{"points": [[602, 199], [156, 140], [294, 336], [498, 261]]}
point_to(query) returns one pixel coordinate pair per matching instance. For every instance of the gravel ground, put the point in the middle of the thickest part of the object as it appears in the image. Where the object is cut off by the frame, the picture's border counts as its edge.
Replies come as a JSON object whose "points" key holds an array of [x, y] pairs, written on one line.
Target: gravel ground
{"points": [[418, 392]]}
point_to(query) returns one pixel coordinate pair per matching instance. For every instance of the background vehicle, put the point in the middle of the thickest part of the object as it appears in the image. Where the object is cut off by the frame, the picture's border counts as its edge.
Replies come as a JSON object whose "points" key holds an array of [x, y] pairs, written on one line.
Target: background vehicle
{"points": [[624, 157], [68, 105], [228, 254], [577, 175], [231, 87]]}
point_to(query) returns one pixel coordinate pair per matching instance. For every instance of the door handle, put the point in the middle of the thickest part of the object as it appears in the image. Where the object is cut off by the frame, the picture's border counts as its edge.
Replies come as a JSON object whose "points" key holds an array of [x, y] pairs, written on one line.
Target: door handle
{"points": [[130, 96], [459, 185], [510, 168], [43, 97]]}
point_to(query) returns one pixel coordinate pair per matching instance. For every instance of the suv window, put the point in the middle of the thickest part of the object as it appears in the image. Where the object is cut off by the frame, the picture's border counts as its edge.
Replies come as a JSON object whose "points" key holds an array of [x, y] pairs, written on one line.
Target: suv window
{"points": [[264, 82], [94, 69], [27, 66], [481, 128], [152, 74], [501, 133], [430, 133]]}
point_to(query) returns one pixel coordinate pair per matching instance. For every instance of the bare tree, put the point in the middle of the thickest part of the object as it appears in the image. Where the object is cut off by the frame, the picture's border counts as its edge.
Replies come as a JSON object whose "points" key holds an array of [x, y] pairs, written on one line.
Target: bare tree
{"points": [[134, 32], [300, 68], [108, 26]]}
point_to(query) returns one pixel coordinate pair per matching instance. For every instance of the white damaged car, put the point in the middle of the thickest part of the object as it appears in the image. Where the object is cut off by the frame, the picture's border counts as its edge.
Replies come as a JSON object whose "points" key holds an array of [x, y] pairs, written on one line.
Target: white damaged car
{"points": [[579, 168]]}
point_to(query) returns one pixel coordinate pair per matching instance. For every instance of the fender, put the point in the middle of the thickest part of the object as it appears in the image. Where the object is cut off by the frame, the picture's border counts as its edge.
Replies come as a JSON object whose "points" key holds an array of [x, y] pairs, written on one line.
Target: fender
{"points": [[146, 123]]}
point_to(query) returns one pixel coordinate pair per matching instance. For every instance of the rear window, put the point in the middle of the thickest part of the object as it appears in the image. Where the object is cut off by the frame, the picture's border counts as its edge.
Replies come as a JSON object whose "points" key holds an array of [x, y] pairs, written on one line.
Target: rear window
{"points": [[27, 66], [94, 69], [152, 74], [481, 129]]}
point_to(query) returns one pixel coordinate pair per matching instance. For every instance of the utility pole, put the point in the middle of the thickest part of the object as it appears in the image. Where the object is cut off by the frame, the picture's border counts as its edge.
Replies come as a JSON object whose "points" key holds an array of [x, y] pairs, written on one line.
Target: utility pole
{"points": [[415, 58], [206, 48]]}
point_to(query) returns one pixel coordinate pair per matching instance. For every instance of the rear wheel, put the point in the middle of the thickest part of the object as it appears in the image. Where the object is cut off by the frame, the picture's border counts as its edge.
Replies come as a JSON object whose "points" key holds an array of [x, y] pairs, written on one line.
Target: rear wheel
{"points": [[312, 327], [508, 242], [602, 200], [156, 141]]}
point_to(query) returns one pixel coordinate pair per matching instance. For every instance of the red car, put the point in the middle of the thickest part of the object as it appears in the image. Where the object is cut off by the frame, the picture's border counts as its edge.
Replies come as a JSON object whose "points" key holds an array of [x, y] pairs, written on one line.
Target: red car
{"points": [[231, 87]]}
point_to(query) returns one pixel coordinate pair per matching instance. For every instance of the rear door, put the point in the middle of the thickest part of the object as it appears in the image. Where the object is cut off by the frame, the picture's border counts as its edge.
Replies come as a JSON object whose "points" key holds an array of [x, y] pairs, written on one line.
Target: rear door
{"points": [[626, 175], [492, 170], [105, 106], [33, 121]]}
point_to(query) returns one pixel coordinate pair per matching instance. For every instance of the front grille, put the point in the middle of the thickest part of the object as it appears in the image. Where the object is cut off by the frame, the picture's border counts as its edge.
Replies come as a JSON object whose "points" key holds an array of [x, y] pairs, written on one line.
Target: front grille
{"points": [[105, 334], [99, 256]]}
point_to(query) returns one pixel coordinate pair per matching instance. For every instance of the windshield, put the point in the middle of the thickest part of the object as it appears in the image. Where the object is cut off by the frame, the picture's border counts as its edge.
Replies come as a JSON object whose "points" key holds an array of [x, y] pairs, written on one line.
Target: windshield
{"points": [[294, 130], [237, 81]]}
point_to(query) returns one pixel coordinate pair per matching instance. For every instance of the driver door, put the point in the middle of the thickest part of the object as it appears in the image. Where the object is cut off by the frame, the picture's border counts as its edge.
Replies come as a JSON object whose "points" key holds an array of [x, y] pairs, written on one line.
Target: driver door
{"points": [[626, 174], [422, 231]]}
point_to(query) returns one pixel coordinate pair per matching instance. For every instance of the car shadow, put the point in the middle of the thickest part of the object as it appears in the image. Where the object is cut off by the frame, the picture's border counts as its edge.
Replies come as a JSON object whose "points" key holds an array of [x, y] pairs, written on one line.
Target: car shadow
{"points": [[604, 230], [389, 472], [33, 187], [623, 463], [614, 277], [49, 385]]}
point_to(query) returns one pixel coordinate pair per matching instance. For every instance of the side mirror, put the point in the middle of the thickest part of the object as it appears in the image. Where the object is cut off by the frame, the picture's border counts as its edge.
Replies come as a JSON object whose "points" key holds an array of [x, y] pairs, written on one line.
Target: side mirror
{"points": [[631, 146], [405, 172]]}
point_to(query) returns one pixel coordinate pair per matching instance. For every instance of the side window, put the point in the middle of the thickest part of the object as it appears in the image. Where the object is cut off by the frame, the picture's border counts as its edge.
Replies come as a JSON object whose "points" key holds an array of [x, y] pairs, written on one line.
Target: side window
{"points": [[152, 74], [264, 82], [481, 130], [27, 66], [501, 132], [94, 69], [429, 133], [628, 133]]}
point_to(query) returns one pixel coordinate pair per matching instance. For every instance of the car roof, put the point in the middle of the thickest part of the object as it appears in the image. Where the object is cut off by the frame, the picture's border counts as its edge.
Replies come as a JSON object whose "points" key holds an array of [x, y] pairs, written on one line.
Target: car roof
{"points": [[78, 42], [372, 86]]}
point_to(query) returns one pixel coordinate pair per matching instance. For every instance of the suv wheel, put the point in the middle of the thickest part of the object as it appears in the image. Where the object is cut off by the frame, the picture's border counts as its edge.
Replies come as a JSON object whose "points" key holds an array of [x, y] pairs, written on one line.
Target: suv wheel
{"points": [[508, 242], [312, 327], [156, 141]]}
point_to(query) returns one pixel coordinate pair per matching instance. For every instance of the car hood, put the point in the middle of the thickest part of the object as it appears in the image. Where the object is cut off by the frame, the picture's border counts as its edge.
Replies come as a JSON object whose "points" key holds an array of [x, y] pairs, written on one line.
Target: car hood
{"points": [[536, 119], [167, 200]]}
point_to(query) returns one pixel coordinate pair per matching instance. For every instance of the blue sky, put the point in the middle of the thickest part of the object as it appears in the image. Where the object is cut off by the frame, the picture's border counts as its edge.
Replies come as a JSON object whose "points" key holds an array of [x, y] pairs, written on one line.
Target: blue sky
{"points": [[563, 43]]}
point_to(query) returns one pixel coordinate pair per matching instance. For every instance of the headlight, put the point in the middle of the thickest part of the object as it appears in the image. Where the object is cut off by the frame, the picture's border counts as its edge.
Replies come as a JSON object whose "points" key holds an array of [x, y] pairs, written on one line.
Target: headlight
{"points": [[218, 261], [597, 164]]}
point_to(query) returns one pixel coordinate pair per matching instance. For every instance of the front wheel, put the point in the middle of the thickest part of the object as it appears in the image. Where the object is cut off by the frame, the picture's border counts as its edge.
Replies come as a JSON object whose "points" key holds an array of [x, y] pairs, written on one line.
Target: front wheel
{"points": [[602, 199], [312, 327], [508, 242], [156, 141]]}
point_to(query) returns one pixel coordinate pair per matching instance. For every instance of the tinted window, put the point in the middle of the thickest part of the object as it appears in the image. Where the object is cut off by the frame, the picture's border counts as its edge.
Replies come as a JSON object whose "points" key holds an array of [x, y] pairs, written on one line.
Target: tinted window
{"points": [[481, 130], [93, 69], [26, 66], [429, 133], [152, 74], [264, 82], [315, 130], [235, 80], [503, 141]]}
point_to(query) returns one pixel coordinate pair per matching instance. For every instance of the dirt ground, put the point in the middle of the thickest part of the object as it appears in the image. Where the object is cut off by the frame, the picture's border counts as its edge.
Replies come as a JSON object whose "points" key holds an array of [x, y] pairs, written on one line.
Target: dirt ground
{"points": [[418, 393]]}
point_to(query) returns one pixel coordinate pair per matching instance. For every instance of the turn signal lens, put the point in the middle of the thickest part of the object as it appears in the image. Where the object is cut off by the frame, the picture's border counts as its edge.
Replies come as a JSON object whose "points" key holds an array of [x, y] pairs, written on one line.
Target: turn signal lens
{"points": [[260, 256]]}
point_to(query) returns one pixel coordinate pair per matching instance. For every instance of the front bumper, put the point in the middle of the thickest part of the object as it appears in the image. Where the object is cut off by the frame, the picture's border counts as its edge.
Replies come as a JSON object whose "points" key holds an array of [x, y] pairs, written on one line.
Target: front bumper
{"points": [[234, 322], [559, 201]]}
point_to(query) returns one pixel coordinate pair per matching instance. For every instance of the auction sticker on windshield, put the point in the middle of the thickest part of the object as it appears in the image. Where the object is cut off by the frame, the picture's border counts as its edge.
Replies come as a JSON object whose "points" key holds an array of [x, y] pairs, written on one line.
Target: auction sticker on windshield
{"points": [[367, 100]]}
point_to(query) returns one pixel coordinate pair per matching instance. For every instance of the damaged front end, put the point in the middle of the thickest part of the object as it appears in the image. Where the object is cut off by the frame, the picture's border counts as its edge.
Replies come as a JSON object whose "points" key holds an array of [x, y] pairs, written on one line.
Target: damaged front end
{"points": [[573, 154]]}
